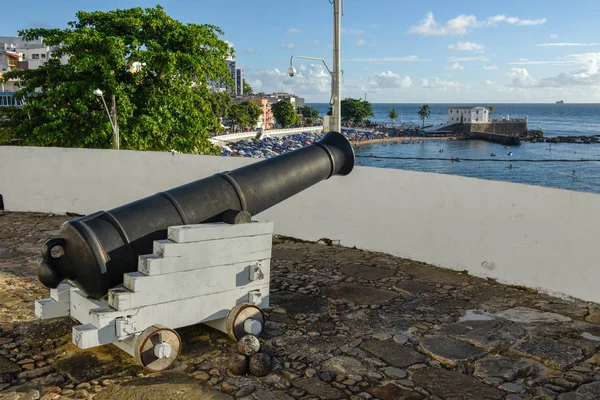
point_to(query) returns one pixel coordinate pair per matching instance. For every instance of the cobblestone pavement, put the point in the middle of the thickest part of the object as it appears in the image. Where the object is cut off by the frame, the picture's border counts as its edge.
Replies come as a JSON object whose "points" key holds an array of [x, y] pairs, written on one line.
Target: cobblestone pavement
{"points": [[343, 324]]}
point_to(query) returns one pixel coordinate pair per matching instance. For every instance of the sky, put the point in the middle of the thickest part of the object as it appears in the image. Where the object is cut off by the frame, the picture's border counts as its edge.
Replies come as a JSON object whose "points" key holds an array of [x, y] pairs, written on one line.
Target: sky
{"points": [[393, 51]]}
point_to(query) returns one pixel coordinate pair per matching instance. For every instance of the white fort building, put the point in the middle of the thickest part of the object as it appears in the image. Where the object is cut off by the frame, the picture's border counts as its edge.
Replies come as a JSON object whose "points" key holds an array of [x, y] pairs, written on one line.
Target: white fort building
{"points": [[468, 115]]}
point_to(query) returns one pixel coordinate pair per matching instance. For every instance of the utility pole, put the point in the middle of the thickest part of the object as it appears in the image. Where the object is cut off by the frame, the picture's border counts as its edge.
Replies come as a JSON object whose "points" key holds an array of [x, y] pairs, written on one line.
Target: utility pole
{"points": [[336, 110], [115, 126]]}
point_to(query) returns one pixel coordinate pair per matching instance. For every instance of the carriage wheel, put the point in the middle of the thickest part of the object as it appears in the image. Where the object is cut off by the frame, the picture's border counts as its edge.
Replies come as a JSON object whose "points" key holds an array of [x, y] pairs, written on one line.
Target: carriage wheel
{"points": [[244, 319], [157, 348]]}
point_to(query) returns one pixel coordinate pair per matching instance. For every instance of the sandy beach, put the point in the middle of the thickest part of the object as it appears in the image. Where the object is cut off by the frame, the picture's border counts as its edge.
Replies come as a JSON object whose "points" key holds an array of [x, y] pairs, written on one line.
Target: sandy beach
{"points": [[402, 138]]}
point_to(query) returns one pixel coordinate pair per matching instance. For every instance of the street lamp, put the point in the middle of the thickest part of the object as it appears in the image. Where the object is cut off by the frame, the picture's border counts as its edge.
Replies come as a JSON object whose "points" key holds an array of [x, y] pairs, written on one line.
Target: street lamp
{"points": [[335, 101], [113, 120]]}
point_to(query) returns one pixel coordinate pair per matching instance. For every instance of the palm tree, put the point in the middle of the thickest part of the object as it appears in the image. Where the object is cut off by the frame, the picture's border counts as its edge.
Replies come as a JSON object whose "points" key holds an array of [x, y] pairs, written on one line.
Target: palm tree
{"points": [[491, 110], [393, 115], [424, 112]]}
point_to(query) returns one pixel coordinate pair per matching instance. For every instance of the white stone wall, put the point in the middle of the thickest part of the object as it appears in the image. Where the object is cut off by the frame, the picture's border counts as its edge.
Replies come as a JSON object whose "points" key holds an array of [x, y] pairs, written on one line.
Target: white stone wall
{"points": [[518, 234], [469, 116]]}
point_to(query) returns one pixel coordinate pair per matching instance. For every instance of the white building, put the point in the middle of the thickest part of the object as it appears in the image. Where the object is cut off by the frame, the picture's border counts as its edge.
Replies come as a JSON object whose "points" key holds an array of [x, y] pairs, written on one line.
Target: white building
{"points": [[237, 77], [469, 115], [32, 54]]}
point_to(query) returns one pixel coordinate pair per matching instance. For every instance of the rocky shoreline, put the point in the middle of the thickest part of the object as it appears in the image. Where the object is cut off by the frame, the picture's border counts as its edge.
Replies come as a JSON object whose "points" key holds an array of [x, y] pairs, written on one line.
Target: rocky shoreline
{"points": [[536, 136]]}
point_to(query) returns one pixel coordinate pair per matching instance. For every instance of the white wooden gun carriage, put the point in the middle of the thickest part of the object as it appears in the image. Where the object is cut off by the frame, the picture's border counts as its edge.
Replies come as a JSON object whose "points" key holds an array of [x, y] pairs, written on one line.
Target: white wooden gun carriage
{"points": [[215, 273]]}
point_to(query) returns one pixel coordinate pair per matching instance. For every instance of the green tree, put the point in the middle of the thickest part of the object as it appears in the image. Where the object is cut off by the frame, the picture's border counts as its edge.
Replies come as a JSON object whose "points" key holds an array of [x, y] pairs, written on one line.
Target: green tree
{"points": [[247, 88], [220, 103], [310, 114], [491, 109], [393, 115], [424, 112], [148, 61], [284, 113], [355, 111], [244, 115]]}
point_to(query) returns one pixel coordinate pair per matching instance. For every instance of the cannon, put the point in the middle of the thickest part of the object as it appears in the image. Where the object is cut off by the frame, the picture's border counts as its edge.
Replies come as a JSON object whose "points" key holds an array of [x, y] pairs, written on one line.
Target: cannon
{"points": [[95, 251], [188, 255]]}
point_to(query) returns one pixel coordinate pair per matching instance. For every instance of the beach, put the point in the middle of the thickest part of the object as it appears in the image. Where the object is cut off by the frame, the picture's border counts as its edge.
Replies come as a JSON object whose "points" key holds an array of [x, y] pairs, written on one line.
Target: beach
{"points": [[411, 139]]}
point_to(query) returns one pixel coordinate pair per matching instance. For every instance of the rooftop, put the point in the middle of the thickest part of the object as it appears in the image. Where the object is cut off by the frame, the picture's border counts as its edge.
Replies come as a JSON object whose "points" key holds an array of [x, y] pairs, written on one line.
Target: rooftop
{"points": [[343, 323], [467, 108]]}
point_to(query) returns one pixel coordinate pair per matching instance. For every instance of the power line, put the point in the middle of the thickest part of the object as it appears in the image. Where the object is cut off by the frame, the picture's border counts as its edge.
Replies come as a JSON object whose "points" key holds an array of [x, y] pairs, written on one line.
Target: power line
{"points": [[457, 159]]}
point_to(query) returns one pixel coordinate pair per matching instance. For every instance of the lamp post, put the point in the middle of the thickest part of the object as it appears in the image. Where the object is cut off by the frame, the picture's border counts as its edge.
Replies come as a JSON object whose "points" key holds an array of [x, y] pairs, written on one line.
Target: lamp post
{"points": [[335, 101], [113, 120]]}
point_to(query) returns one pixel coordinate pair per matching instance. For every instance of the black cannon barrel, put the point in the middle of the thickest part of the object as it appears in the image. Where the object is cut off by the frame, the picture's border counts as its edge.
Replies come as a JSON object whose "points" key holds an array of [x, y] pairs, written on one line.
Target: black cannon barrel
{"points": [[95, 251]]}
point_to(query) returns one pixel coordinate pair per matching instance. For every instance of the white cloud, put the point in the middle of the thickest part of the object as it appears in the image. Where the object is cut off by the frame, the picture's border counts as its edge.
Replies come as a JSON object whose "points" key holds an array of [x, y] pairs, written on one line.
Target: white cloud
{"points": [[363, 43], [388, 59], [441, 84], [455, 66], [567, 44], [490, 67], [315, 41], [389, 80], [466, 46], [290, 45], [352, 31], [294, 30], [309, 80], [490, 83], [464, 23], [250, 50], [469, 59], [547, 62], [520, 77], [553, 36], [587, 76], [514, 21], [455, 26]]}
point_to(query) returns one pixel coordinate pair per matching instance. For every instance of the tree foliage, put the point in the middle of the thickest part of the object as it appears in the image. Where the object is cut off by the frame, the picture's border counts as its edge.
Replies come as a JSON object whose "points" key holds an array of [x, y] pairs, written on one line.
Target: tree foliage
{"points": [[284, 113], [424, 112], [244, 115], [220, 103], [355, 111], [247, 88], [393, 114], [310, 114], [154, 65]]}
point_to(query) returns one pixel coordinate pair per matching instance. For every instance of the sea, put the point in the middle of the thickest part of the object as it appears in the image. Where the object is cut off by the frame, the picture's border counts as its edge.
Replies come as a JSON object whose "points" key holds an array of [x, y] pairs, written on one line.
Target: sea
{"points": [[557, 165]]}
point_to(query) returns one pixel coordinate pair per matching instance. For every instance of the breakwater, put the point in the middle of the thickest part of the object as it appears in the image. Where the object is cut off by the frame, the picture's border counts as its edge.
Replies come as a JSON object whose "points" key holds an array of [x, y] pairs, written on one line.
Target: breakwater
{"points": [[537, 136]]}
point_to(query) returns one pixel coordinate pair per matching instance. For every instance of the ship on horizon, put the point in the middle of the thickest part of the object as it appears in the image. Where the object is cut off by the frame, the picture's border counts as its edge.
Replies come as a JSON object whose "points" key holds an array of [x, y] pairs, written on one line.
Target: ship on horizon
{"points": [[560, 102]]}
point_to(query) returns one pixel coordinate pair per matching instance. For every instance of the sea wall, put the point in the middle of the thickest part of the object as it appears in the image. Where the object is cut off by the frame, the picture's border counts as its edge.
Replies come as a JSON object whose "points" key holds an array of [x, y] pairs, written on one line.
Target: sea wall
{"points": [[504, 128], [532, 236]]}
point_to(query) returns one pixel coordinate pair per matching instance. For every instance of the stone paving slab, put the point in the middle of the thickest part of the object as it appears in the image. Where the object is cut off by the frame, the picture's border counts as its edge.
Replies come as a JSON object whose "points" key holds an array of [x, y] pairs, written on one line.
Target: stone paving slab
{"points": [[452, 385], [393, 392], [549, 351], [318, 388], [395, 354], [367, 272], [343, 323], [590, 391], [491, 335], [359, 294], [448, 351]]}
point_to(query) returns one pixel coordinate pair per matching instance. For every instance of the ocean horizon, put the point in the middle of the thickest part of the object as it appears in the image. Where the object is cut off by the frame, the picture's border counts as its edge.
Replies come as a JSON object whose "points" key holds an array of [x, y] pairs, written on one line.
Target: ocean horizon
{"points": [[569, 119]]}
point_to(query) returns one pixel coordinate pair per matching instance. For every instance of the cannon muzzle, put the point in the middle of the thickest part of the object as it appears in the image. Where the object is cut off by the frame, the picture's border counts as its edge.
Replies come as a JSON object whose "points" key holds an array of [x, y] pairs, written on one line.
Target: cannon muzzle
{"points": [[95, 251]]}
